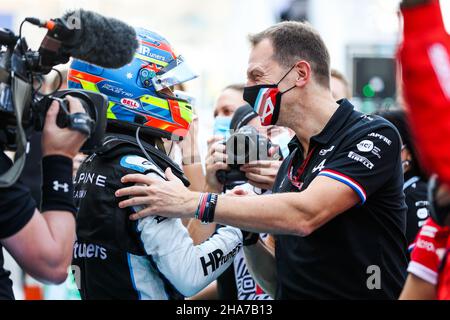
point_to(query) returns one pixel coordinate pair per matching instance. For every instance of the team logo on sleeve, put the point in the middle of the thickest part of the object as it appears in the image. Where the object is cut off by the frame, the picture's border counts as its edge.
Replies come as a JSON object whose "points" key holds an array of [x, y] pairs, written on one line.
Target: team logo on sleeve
{"points": [[381, 137], [369, 146], [358, 158], [365, 146]]}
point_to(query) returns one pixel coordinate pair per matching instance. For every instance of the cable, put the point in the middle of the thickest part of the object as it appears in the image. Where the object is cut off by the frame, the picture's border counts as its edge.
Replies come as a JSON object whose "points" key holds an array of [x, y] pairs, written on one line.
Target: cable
{"points": [[141, 146]]}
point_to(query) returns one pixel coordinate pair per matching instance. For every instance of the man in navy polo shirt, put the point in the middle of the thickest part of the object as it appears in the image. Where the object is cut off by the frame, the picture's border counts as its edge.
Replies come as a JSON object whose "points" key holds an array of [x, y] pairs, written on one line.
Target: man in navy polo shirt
{"points": [[339, 211]]}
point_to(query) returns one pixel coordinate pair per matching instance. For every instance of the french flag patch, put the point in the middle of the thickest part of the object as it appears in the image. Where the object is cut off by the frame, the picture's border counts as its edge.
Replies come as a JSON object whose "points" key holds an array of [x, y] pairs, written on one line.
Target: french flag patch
{"points": [[346, 180]]}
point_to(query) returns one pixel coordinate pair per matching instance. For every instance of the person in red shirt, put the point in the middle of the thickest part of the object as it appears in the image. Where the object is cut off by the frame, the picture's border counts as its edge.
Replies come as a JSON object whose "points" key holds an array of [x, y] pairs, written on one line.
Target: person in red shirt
{"points": [[424, 57], [425, 64], [425, 281]]}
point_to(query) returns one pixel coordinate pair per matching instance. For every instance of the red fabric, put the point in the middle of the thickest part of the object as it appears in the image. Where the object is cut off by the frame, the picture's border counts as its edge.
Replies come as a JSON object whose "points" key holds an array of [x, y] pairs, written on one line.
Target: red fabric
{"points": [[429, 258], [425, 64], [429, 247], [443, 290]]}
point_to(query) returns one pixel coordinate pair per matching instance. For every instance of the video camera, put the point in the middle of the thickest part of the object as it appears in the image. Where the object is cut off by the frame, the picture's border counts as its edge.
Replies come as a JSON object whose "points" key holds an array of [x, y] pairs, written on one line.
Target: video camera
{"points": [[81, 34], [242, 147]]}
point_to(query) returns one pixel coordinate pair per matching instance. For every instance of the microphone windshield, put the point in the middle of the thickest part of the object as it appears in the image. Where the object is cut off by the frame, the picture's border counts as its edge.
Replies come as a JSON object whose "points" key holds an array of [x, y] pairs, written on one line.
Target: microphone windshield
{"points": [[106, 42]]}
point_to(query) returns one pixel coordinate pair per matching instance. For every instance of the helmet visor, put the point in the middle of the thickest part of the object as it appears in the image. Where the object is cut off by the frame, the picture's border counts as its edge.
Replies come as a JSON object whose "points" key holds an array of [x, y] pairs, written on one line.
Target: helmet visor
{"points": [[174, 73]]}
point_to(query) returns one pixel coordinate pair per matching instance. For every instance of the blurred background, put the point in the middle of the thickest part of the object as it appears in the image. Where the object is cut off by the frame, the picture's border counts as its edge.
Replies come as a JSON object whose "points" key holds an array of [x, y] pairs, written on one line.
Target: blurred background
{"points": [[212, 35]]}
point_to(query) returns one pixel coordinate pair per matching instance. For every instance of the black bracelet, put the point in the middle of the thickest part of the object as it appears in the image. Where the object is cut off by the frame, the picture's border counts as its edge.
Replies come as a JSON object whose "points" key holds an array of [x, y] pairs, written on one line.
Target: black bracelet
{"points": [[249, 238], [211, 209], [57, 184]]}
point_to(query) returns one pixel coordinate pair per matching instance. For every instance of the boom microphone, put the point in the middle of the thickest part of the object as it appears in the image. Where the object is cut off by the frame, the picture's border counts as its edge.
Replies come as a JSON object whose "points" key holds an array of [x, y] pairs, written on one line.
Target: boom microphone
{"points": [[88, 36]]}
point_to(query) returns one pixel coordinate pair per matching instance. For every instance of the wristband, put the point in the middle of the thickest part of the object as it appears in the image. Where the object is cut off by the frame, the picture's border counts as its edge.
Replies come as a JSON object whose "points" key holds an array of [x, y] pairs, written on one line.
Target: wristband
{"points": [[201, 207], [206, 207], [211, 208], [57, 184]]}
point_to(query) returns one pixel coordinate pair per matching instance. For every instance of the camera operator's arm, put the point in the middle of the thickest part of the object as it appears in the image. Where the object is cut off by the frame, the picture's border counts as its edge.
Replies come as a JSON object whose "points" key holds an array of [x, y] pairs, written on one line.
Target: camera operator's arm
{"points": [[43, 246], [425, 60]]}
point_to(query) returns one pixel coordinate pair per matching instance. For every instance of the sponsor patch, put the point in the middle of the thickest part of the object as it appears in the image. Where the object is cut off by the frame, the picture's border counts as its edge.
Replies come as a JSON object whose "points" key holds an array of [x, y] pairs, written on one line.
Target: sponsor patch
{"points": [[365, 146], [130, 103], [358, 158], [381, 137]]}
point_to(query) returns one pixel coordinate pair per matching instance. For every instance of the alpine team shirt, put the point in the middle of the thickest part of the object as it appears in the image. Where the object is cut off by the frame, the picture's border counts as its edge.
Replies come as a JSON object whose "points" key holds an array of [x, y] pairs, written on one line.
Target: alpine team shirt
{"points": [[338, 259]]}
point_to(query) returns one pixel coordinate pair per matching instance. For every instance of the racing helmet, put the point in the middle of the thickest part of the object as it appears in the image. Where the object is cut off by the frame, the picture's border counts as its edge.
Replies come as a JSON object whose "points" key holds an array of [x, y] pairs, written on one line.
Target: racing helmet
{"points": [[140, 92]]}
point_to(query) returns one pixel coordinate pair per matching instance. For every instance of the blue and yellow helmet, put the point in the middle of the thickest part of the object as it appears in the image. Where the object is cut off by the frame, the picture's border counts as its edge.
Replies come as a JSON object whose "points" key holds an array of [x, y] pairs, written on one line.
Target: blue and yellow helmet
{"points": [[140, 92]]}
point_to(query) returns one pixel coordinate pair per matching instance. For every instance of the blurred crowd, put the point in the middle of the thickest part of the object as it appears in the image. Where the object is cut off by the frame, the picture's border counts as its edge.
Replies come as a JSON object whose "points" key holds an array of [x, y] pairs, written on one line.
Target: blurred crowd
{"points": [[336, 203]]}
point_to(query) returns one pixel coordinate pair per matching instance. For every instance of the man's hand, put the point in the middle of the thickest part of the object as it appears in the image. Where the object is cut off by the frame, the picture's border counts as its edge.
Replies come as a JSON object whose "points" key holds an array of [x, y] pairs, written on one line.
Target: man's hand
{"points": [[58, 141], [215, 161], [262, 173], [169, 197]]}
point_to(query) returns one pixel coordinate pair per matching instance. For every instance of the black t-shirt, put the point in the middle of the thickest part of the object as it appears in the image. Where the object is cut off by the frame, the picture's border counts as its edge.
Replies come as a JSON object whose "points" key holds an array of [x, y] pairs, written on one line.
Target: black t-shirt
{"points": [[345, 258], [16, 209], [416, 190]]}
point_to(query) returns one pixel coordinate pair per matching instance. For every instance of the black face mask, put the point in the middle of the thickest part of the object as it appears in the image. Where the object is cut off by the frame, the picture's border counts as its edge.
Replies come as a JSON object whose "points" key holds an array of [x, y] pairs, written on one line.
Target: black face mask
{"points": [[266, 100]]}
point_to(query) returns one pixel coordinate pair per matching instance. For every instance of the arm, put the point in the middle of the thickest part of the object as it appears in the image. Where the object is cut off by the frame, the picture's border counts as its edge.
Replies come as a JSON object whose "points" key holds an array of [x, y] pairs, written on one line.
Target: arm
{"points": [[42, 243], [192, 165], [425, 261], [425, 62], [194, 173], [209, 293], [417, 289], [44, 246], [345, 182], [188, 267], [260, 261], [200, 232], [303, 212]]}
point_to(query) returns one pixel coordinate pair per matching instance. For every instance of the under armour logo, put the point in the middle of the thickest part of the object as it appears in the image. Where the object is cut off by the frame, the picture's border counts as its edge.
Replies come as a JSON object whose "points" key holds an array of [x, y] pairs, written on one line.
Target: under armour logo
{"points": [[57, 186]]}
